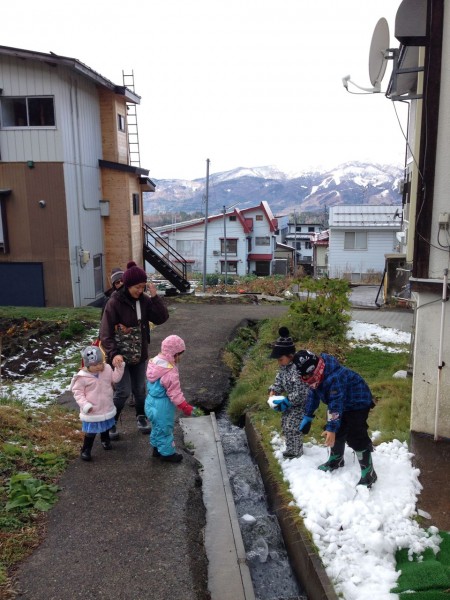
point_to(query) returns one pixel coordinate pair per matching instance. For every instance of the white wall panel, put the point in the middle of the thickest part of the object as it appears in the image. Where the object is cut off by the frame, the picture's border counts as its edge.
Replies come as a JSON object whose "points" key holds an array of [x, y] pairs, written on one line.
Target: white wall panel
{"points": [[360, 261]]}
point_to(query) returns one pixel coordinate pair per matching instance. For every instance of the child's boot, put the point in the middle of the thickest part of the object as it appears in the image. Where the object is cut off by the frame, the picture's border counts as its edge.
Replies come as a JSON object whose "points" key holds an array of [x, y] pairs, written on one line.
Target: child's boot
{"points": [[336, 458], [368, 475], [87, 447], [174, 458], [106, 442]]}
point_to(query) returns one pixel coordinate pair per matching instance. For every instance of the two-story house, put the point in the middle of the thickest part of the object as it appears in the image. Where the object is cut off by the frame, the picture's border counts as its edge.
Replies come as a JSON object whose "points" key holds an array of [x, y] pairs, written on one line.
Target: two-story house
{"points": [[238, 241], [359, 238], [70, 195]]}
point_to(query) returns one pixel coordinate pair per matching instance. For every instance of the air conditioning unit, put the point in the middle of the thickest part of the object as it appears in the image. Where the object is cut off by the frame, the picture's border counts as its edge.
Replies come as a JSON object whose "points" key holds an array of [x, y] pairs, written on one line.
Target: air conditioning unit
{"points": [[216, 253]]}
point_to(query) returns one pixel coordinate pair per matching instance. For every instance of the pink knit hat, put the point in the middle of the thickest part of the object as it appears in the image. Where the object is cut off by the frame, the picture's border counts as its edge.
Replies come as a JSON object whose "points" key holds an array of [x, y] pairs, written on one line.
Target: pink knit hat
{"points": [[172, 345]]}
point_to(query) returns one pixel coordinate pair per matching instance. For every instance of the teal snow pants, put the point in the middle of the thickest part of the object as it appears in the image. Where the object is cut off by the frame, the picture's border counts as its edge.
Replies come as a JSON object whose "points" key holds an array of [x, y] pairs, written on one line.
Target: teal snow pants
{"points": [[161, 412]]}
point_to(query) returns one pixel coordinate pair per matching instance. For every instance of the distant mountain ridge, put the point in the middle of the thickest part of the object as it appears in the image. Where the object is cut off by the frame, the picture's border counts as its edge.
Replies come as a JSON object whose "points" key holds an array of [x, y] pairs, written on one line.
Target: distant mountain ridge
{"points": [[350, 183]]}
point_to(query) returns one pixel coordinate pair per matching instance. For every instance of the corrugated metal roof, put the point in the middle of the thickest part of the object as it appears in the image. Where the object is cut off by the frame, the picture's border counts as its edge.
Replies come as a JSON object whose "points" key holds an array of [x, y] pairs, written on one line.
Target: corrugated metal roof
{"points": [[366, 216]]}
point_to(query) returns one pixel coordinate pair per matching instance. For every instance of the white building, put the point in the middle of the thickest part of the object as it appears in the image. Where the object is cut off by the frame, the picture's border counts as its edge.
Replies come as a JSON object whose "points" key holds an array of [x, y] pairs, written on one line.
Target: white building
{"points": [[360, 237], [300, 236], [238, 242]]}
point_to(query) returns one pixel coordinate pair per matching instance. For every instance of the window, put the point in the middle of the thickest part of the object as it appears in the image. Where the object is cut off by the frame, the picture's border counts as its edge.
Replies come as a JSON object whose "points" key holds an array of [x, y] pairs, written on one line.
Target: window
{"points": [[121, 122], [355, 240], [231, 246], [98, 273], [28, 112], [308, 246], [189, 247], [4, 244], [233, 218], [311, 229], [298, 245], [259, 217], [298, 228], [136, 204], [262, 241], [231, 266]]}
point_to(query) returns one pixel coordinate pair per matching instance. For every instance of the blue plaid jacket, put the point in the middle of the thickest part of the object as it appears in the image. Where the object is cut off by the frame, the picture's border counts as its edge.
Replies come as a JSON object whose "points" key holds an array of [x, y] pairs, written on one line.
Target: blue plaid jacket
{"points": [[341, 390]]}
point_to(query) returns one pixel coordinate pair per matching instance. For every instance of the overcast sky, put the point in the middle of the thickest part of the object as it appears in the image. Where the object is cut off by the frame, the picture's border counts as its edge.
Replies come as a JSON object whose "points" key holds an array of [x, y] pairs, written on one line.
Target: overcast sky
{"points": [[244, 83]]}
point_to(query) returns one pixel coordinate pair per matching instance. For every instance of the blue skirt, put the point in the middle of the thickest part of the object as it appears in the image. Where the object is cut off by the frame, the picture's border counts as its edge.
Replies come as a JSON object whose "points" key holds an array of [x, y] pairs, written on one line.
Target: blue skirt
{"points": [[97, 426]]}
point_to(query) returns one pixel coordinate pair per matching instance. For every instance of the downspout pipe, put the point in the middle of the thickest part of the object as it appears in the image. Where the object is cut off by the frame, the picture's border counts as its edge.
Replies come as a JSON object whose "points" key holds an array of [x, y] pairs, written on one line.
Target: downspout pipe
{"points": [[440, 361]]}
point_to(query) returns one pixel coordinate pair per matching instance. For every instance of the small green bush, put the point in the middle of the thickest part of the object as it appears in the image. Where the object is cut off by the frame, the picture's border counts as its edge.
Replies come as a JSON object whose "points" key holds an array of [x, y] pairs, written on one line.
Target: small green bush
{"points": [[24, 491], [73, 329]]}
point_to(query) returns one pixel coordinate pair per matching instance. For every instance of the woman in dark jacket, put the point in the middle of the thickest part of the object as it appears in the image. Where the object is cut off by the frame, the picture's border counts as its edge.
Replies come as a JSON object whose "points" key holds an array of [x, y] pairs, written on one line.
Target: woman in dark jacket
{"points": [[122, 312]]}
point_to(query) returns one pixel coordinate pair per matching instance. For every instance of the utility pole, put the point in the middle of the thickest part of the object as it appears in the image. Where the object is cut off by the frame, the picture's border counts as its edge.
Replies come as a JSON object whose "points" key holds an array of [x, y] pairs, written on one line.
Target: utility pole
{"points": [[295, 242], [206, 225], [225, 244]]}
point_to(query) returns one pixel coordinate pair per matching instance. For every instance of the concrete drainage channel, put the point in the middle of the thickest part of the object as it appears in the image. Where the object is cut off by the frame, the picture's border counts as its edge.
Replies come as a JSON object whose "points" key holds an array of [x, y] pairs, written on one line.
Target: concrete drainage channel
{"points": [[244, 544], [271, 573]]}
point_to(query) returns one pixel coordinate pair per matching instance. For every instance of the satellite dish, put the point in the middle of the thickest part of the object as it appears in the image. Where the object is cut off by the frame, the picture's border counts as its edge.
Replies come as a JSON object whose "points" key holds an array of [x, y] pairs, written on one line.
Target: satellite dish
{"points": [[377, 53]]}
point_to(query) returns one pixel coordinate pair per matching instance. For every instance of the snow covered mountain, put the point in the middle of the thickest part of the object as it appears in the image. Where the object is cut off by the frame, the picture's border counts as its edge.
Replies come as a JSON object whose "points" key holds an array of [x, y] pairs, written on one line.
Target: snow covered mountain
{"points": [[349, 183]]}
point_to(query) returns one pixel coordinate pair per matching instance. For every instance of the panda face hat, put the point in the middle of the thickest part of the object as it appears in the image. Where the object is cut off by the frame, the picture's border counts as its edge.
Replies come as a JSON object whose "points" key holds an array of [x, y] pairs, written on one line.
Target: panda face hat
{"points": [[92, 355]]}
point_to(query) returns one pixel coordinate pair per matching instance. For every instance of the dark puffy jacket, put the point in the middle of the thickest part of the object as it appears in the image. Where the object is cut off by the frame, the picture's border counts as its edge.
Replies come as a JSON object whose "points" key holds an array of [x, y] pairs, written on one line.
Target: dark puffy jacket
{"points": [[341, 390], [121, 309]]}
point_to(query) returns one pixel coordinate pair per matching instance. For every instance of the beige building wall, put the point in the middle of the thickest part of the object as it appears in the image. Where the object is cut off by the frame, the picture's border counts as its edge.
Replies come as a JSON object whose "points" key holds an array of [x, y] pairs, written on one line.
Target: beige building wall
{"points": [[122, 229], [431, 384]]}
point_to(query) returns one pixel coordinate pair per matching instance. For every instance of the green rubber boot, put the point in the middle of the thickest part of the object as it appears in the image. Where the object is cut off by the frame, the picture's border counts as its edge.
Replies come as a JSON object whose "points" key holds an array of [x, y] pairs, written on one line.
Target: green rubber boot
{"points": [[368, 475], [336, 458]]}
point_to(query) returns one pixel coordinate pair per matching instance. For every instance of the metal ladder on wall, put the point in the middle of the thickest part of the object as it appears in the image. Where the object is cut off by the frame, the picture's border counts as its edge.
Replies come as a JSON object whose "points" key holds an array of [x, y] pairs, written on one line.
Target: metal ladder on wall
{"points": [[132, 125]]}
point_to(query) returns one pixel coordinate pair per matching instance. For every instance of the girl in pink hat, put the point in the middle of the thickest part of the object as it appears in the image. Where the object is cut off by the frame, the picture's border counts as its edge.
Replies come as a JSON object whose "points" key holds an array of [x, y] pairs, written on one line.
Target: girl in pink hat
{"points": [[164, 397]]}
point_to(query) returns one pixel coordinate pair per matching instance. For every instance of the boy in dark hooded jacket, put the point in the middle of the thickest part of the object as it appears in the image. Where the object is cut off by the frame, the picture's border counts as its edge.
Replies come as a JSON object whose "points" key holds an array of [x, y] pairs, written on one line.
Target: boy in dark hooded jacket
{"points": [[349, 401]]}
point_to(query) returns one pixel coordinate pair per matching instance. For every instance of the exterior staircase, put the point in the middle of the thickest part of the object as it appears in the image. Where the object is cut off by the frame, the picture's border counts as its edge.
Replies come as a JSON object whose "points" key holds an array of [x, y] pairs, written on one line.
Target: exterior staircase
{"points": [[165, 259]]}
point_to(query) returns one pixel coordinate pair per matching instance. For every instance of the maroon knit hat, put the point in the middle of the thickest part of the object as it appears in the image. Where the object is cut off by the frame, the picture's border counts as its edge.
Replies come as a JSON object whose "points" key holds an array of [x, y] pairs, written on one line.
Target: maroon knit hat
{"points": [[134, 275]]}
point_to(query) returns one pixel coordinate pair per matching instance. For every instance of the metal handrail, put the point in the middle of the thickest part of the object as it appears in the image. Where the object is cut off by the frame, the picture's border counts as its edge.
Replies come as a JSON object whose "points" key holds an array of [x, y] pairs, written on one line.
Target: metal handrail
{"points": [[168, 254]]}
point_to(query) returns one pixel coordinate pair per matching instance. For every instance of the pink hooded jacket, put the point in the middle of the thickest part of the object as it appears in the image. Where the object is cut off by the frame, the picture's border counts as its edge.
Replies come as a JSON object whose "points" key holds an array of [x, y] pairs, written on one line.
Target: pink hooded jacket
{"points": [[94, 394], [163, 367]]}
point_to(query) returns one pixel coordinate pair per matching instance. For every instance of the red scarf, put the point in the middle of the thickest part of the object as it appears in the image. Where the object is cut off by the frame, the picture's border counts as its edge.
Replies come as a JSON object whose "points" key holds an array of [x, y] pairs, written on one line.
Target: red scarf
{"points": [[315, 379]]}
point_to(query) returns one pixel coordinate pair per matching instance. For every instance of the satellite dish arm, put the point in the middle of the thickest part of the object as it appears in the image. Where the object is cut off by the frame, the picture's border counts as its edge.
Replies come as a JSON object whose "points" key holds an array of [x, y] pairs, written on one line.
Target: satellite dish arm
{"points": [[373, 90]]}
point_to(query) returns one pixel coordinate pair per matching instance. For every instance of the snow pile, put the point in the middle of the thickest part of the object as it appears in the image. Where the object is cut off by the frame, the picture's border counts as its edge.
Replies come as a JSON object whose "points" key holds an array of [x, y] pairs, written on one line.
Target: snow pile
{"points": [[358, 531]]}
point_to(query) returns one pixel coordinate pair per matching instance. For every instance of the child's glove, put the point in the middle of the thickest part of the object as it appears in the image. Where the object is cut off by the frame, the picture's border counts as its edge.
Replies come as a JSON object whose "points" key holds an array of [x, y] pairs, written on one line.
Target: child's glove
{"points": [[186, 408], [305, 425], [281, 404], [197, 412]]}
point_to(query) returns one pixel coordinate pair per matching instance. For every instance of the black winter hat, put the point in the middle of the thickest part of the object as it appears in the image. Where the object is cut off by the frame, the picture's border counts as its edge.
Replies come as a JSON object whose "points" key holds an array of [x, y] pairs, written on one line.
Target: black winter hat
{"points": [[306, 362], [284, 346]]}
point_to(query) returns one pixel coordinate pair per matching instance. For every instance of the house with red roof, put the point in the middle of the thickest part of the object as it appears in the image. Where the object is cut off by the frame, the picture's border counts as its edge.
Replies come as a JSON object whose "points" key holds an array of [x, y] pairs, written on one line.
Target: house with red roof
{"points": [[235, 242]]}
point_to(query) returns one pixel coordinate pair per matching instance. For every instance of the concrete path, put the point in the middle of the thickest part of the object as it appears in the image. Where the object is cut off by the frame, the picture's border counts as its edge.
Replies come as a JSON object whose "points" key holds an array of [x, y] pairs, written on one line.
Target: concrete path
{"points": [[228, 572]]}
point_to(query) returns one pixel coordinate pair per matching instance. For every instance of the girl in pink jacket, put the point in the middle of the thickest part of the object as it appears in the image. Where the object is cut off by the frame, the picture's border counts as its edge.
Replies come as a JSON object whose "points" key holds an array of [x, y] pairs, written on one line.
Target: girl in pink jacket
{"points": [[93, 390], [164, 397]]}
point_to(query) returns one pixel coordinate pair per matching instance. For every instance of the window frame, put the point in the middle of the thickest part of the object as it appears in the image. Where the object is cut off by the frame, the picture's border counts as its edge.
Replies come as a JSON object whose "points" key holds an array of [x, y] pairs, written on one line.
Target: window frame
{"points": [[355, 245], [121, 124], [27, 113], [232, 263], [231, 251], [262, 237], [136, 204]]}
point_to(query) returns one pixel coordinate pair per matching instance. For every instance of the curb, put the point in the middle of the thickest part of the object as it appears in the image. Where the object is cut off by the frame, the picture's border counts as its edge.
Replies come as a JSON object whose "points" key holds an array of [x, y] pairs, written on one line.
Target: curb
{"points": [[228, 572], [303, 556]]}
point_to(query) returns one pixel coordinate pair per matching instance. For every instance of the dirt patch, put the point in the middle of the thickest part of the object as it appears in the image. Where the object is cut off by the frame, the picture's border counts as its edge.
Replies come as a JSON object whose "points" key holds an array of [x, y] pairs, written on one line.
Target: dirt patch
{"points": [[31, 346]]}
